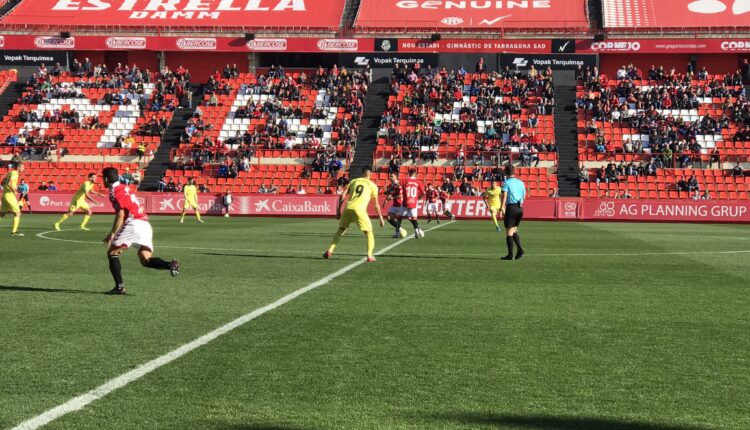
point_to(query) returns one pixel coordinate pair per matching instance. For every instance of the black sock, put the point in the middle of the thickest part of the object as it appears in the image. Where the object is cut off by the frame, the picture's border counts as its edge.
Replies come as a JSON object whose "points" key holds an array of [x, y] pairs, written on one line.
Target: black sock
{"points": [[116, 269], [398, 224], [415, 223], [448, 214], [509, 242], [517, 240], [393, 223], [157, 263]]}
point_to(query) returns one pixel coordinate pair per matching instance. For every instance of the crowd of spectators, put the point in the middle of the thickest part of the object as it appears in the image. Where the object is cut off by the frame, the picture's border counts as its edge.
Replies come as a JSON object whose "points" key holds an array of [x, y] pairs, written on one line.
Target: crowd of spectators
{"points": [[672, 139], [344, 88], [496, 97]]}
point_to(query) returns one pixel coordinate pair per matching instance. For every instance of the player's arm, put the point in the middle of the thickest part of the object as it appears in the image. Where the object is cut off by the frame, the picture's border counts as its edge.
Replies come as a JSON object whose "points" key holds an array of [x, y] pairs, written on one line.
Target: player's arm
{"points": [[503, 201], [377, 206], [342, 198], [119, 221], [88, 196]]}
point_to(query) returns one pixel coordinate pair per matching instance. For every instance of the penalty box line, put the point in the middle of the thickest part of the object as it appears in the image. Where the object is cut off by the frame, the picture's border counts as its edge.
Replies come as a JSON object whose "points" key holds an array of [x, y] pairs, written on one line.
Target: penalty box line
{"points": [[79, 402]]}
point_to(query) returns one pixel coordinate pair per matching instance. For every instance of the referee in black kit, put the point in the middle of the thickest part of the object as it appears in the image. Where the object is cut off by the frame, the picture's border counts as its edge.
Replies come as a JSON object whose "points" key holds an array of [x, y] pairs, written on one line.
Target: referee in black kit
{"points": [[513, 195]]}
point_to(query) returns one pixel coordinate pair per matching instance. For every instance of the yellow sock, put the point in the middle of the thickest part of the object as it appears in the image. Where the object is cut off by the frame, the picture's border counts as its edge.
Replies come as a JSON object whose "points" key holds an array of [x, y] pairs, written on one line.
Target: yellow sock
{"points": [[336, 238], [16, 222], [182, 217], [370, 243], [63, 218], [198, 215], [494, 219], [86, 219]]}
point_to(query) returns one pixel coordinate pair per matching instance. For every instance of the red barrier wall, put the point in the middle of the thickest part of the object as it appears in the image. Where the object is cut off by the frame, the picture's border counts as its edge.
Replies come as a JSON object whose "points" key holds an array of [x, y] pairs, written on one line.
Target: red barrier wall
{"points": [[290, 205]]}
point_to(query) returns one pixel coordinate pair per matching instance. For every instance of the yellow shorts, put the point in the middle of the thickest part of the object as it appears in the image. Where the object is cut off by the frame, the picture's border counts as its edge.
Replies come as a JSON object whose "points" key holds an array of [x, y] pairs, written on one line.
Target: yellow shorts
{"points": [[190, 205], [10, 204], [361, 218], [494, 208], [76, 206]]}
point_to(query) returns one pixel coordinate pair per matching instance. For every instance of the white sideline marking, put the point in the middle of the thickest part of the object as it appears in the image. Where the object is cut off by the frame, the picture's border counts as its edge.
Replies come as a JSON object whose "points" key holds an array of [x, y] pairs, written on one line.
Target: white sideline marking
{"points": [[78, 403]]}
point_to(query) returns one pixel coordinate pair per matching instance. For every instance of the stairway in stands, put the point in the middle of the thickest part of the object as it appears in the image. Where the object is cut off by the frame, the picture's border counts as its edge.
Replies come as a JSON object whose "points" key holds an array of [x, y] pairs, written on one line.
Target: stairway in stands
{"points": [[377, 99], [171, 140], [10, 97], [566, 133], [596, 14], [351, 10]]}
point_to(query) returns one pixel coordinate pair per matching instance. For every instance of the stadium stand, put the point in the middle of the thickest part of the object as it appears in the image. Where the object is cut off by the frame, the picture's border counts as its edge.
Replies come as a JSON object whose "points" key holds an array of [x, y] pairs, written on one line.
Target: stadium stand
{"points": [[93, 113], [662, 134], [459, 124], [298, 128], [68, 176]]}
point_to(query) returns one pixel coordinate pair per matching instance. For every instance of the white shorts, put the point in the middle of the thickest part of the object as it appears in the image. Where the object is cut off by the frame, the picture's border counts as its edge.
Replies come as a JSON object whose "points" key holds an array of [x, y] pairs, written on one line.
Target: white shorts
{"points": [[135, 232], [432, 207], [396, 210], [410, 213], [447, 206]]}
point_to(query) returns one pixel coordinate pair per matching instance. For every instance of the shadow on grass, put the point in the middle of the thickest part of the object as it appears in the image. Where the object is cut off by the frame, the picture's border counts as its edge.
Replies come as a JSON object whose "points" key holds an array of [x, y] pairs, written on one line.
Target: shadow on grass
{"points": [[48, 290], [257, 426], [550, 422], [269, 256]]}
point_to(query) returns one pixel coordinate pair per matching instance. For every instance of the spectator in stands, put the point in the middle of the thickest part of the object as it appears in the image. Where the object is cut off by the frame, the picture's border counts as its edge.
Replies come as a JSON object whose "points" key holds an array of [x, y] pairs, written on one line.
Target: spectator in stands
{"points": [[52, 186], [126, 177], [43, 187], [137, 177], [171, 186], [465, 188], [481, 67], [162, 186], [583, 174], [692, 184], [737, 171], [746, 71], [554, 194]]}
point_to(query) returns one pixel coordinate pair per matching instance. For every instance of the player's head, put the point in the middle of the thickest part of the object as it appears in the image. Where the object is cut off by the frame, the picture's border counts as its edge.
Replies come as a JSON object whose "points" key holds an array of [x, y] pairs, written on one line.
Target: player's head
{"points": [[412, 172], [92, 177], [20, 167], [510, 171], [394, 178], [366, 172], [111, 176]]}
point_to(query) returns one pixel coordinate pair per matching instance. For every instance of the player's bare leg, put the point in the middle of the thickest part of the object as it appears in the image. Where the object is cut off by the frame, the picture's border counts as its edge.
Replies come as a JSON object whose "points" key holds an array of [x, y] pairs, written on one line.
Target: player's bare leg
{"points": [[198, 216], [63, 218], [370, 245], [182, 217], [16, 222], [86, 218], [336, 238]]}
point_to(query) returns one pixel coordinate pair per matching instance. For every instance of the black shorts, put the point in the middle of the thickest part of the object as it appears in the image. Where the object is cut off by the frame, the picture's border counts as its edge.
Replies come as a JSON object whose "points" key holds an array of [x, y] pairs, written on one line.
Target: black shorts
{"points": [[513, 216]]}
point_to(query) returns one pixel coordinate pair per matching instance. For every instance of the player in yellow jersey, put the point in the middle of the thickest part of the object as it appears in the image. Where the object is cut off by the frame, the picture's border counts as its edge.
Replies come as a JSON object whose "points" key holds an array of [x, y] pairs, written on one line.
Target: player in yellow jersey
{"points": [[492, 199], [80, 202], [361, 192], [190, 191], [9, 201]]}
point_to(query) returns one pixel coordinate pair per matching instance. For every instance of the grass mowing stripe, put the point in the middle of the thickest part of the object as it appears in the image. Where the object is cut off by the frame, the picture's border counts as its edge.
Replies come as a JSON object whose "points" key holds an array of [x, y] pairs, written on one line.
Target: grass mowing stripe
{"points": [[79, 402]]}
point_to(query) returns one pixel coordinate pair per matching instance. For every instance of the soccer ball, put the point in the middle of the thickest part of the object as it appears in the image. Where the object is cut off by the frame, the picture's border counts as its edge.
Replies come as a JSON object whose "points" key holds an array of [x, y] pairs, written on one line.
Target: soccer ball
{"points": [[402, 233]]}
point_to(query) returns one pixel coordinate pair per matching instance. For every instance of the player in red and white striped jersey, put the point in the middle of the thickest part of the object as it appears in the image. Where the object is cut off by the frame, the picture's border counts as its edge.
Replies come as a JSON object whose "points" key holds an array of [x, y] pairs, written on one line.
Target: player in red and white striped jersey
{"points": [[412, 192], [131, 228]]}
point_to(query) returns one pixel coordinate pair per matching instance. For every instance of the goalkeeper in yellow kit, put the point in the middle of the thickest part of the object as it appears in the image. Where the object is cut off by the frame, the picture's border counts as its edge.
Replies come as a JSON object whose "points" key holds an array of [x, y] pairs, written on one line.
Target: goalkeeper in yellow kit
{"points": [[190, 192], [9, 202], [360, 193], [80, 202]]}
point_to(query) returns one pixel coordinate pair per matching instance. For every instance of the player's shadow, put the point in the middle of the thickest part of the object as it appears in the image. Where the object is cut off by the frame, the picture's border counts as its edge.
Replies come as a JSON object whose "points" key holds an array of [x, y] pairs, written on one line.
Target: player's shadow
{"points": [[551, 422], [47, 290], [267, 256], [258, 426]]}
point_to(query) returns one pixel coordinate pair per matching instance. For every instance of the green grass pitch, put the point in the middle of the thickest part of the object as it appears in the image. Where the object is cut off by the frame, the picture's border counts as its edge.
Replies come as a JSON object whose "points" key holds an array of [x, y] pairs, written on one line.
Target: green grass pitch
{"points": [[600, 326]]}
